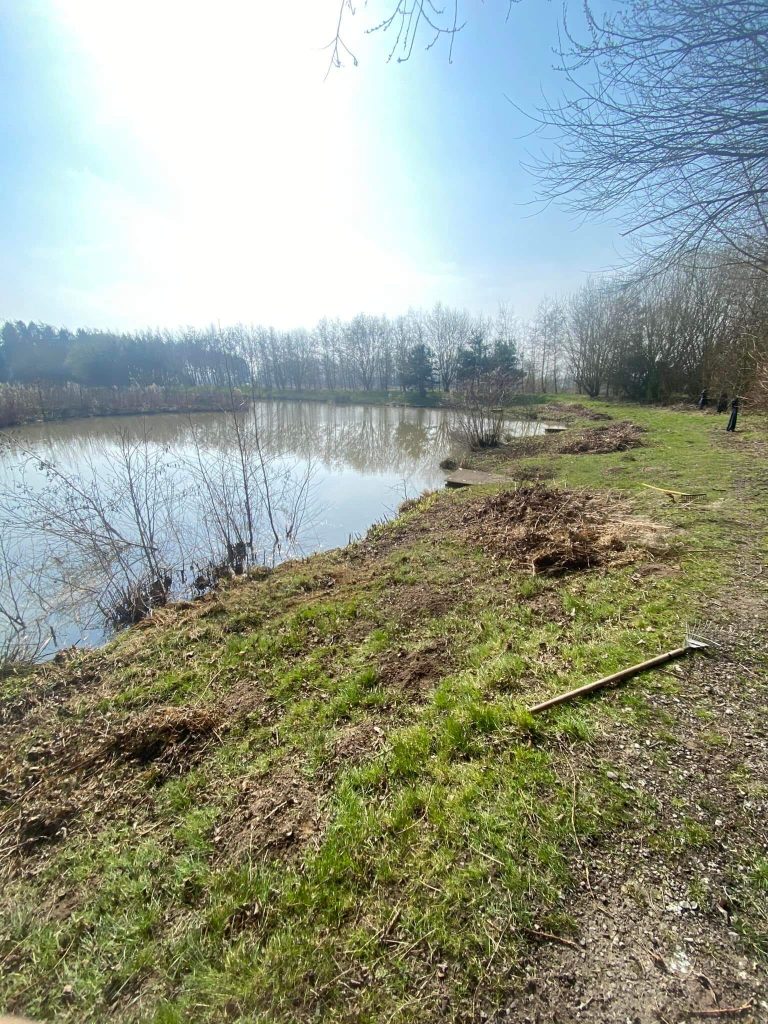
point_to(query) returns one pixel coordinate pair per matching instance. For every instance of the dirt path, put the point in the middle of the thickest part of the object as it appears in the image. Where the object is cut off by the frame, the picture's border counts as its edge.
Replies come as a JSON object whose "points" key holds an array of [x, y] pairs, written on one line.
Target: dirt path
{"points": [[666, 924]]}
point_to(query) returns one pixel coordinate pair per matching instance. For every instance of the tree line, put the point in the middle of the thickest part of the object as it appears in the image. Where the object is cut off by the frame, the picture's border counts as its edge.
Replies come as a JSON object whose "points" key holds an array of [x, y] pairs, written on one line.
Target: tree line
{"points": [[417, 351], [33, 353], [655, 335]]}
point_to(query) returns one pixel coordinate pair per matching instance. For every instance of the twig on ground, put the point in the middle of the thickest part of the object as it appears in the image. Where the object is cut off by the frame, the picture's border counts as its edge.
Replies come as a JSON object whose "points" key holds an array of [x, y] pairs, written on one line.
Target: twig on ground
{"points": [[551, 938], [722, 1011]]}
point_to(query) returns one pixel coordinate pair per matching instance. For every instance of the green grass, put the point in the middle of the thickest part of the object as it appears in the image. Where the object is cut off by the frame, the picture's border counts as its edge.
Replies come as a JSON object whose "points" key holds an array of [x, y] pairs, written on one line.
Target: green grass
{"points": [[438, 841]]}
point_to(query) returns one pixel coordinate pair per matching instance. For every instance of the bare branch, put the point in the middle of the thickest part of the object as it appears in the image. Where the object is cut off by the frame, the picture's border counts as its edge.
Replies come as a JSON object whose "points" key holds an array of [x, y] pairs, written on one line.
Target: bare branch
{"points": [[665, 123]]}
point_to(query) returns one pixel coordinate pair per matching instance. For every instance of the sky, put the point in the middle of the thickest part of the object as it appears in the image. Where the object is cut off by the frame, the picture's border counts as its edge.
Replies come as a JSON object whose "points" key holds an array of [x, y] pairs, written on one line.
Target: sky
{"points": [[178, 162]]}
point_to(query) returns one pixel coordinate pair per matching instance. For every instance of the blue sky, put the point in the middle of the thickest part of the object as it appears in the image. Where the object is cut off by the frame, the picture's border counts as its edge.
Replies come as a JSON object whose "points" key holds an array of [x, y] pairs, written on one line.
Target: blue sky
{"points": [[168, 162]]}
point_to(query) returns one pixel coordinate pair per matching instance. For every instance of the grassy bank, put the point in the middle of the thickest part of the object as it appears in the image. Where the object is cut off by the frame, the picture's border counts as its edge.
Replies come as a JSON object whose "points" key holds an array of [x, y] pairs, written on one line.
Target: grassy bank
{"points": [[318, 795]]}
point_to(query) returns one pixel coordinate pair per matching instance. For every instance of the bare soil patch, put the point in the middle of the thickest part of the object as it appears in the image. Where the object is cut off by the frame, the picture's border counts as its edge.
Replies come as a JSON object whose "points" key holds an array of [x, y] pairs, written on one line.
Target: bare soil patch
{"points": [[421, 601], [658, 570], [275, 816], [414, 670], [358, 740]]}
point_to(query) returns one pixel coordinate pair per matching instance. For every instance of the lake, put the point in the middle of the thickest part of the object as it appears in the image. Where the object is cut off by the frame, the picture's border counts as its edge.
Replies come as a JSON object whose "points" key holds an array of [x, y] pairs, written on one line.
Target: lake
{"points": [[187, 488]]}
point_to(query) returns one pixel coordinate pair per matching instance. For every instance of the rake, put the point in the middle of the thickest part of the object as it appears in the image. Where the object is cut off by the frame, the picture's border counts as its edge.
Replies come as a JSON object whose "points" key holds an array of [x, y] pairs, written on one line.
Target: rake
{"points": [[693, 642]]}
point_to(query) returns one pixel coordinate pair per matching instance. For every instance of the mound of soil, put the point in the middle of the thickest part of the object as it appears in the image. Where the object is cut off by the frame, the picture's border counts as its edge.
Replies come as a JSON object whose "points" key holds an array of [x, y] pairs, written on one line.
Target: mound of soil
{"points": [[356, 741], [413, 670], [422, 601], [276, 816], [549, 530]]}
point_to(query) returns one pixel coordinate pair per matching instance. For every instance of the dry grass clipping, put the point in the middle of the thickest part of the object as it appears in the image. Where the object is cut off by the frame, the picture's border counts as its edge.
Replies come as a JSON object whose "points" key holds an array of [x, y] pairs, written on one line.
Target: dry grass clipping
{"points": [[613, 437], [617, 437], [162, 733], [548, 530]]}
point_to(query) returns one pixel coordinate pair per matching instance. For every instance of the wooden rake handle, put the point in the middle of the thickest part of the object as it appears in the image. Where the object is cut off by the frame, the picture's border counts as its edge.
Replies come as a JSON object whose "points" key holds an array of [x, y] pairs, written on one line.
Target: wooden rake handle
{"points": [[615, 677]]}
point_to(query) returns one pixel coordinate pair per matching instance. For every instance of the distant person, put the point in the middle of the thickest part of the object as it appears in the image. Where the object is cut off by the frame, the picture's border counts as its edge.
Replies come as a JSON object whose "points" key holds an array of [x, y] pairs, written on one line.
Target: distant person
{"points": [[734, 415], [703, 399], [722, 402]]}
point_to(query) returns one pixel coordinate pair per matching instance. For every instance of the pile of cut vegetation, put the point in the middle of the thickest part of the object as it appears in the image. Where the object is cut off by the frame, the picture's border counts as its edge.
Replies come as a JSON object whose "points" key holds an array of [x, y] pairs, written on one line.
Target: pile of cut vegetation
{"points": [[616, 437], [545, 529], [161, 734], [613, 437]]}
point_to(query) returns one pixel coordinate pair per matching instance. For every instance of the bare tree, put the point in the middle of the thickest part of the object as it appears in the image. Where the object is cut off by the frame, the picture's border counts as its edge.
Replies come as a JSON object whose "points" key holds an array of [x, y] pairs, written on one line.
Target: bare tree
{"points": [[589, 340], [481, 408], [98, 537], [116, 538], [447, 332], [404, 22], [359, 336], [654, 336], [665, 122], [546, 337]]}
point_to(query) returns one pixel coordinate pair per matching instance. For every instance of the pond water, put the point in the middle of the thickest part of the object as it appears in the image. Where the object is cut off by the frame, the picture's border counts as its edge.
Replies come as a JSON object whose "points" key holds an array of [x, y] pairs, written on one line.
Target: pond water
{"points": [[354, 463]]}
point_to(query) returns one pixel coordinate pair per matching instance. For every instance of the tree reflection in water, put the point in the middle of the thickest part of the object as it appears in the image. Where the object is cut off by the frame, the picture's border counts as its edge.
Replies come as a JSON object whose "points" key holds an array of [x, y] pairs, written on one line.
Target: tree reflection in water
{"points": [[216, 493]]}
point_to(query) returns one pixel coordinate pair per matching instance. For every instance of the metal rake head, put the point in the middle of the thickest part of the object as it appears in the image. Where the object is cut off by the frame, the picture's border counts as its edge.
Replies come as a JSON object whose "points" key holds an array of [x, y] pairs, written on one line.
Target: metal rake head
{"points": [[695, 638]]}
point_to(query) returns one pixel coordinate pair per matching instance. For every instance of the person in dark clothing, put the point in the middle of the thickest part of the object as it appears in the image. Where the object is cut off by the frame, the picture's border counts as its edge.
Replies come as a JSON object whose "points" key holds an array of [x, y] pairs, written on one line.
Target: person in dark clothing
{"points": [[722, 402], [734, 415], [703, 399]]}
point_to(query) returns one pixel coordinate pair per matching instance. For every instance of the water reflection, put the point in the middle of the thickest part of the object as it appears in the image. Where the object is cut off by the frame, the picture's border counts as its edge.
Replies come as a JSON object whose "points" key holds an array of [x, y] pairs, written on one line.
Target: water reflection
{"points": [[366, 439], [365, 460]]}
